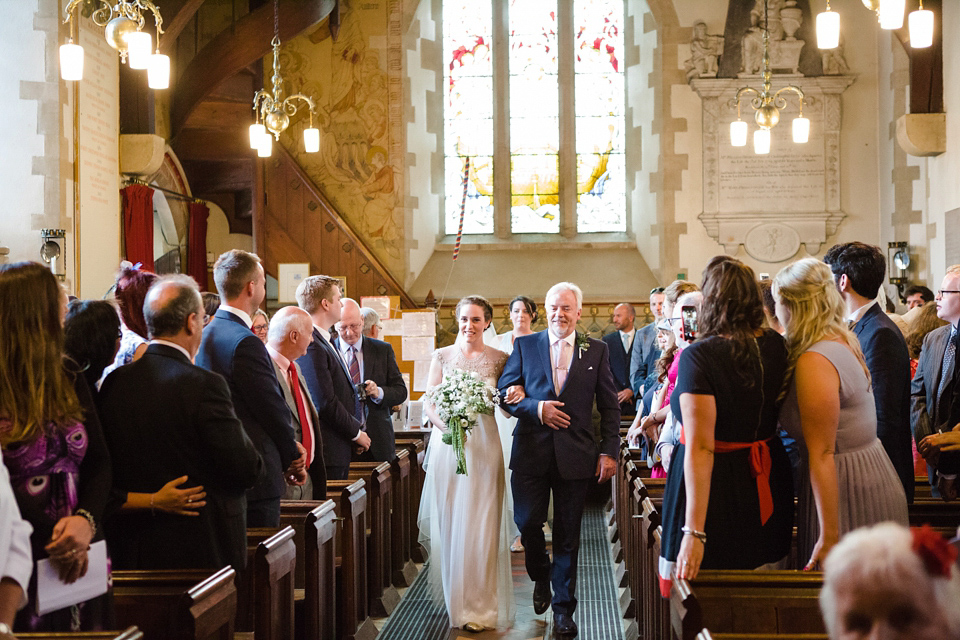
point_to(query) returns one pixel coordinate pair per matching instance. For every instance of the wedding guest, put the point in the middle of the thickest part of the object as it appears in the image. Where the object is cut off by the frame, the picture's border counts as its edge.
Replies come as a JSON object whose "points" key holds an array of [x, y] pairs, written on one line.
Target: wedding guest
{"points": [[371, 323], [91, 337], [887, 581], [130, 291], [16, 561], [848, 480], [728, 502], [644, 354], [211, 302], [523, 313], [917, 295], [620, 344], [859, 270], [769, 306], [52, 443], [923, 323], [261, 323]]}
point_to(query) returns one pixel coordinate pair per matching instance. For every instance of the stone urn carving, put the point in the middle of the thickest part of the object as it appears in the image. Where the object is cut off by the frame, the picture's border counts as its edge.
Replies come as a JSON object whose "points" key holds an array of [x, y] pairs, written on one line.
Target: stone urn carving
{"points": [[791, 16]]}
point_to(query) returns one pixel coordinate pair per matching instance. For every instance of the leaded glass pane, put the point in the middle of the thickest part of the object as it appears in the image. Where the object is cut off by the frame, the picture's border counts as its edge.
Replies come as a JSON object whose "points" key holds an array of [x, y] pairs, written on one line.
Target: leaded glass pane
{"points": [[534, 126], [599, 91], [468, 114]]}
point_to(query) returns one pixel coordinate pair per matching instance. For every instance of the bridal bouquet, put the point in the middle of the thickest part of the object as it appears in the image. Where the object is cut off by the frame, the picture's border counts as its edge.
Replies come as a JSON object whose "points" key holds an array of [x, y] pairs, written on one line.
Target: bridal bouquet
{"points": [[459, 401]]}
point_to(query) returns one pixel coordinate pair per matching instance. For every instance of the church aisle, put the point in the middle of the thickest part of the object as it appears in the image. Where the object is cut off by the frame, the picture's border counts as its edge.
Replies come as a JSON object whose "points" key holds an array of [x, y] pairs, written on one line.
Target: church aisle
{"points": [[418, 617]]}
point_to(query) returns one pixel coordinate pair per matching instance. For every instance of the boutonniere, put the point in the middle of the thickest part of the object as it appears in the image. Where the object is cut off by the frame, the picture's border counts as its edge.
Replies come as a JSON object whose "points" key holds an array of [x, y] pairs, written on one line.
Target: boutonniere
{"points": [[583, 343]]}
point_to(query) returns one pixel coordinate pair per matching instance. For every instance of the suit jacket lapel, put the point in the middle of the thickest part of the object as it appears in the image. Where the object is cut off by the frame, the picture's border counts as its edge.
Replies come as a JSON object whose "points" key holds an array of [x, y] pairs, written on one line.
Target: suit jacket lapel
{"points": [[545, 356], [335, 352]]}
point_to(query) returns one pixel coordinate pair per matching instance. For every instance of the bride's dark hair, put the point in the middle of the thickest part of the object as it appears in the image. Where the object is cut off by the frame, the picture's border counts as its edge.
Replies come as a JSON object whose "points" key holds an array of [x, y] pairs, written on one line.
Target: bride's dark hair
{"points": [[481, 302]]}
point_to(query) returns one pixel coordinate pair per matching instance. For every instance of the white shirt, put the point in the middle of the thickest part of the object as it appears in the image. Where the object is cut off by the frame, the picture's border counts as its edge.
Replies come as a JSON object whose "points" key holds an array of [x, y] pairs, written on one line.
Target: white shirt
{"points": [[240, 313], [629, 335], [172, 345], [571, 341], [283, 363], [344, 349], [855, 317], [16, 559]]}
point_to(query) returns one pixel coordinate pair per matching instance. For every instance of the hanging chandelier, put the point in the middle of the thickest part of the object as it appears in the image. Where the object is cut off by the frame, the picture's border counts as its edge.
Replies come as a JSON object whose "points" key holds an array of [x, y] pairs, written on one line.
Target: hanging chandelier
{"points": [[889, 14], [123, 30], [273, 113], [767, 106]]}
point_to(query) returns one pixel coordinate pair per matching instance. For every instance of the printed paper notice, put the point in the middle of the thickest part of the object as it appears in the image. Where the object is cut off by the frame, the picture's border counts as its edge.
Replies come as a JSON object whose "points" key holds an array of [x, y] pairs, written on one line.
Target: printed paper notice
{"points": [[419, 323], [417, 348], [414, 415], [289, 277], [380, 304], [392, 327], [52, 594], [421, 373]]}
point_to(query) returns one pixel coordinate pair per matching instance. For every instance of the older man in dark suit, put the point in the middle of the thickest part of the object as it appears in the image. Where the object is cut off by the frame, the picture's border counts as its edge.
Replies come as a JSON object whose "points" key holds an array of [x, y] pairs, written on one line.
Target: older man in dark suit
{"points": [[289, 335], [554, 447], [859, 270], [329, 381], [371, 363], [231, 349], [935, 394], [163, 418]]}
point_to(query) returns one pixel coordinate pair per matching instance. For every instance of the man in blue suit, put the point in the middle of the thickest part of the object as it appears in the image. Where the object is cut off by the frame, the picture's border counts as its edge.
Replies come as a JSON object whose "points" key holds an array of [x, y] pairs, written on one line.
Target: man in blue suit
{"points": [[231, 349], [859, 270], [554, 446], [620, 346]]}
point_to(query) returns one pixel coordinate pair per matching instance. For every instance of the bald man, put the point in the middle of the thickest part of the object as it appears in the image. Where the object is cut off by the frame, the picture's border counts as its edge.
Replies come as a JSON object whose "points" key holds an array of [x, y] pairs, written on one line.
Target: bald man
{"points": [[620, 344], [164, 418], [372, 364], [289, 335]]}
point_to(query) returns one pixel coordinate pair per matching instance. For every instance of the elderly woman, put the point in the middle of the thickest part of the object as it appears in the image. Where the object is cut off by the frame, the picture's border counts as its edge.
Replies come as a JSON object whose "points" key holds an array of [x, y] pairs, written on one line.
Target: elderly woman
{"points": [[52, 443], [728, 502], [887, 581], [847, 478]]}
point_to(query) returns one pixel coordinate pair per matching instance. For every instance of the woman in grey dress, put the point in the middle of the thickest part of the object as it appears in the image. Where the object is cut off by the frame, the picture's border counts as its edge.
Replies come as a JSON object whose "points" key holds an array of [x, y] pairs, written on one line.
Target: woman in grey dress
{"points": [[847, 480]]}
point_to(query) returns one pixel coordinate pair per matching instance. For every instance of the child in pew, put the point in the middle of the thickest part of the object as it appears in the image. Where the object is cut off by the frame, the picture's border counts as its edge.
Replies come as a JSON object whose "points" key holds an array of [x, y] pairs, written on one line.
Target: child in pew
{"points": [[887, 581]]}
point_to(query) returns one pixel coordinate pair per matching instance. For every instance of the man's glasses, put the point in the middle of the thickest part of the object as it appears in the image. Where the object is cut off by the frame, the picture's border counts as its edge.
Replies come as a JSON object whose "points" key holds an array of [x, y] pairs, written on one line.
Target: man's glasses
{"points": [[940, 292], [351, 327]]}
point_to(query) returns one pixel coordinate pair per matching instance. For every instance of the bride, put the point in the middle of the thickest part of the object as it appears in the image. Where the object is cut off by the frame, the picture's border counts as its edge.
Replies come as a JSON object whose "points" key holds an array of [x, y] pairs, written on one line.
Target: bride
{"points": [[463, 524]]}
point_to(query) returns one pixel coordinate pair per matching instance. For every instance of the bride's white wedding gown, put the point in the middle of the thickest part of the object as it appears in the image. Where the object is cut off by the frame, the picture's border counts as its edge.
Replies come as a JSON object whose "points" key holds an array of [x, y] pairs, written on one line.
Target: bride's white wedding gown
{"points": [[462, 518]]}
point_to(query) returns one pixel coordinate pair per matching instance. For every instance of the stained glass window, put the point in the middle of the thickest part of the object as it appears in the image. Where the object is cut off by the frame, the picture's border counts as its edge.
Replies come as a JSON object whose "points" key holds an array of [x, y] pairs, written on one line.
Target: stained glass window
{"points": [[534, 59], [534, 117], [468, 114], [598, 85]]}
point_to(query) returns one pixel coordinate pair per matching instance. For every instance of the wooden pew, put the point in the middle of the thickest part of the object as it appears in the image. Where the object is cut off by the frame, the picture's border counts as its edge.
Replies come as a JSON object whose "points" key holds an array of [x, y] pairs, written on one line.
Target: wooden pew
{"points": [[154, 600], [132, 633], [416, 449], [403, 569], [209, 609], [353, 620], [760, 602], [383, 596], [246, 586], [935, 512], [314, 525], [273, 570]]}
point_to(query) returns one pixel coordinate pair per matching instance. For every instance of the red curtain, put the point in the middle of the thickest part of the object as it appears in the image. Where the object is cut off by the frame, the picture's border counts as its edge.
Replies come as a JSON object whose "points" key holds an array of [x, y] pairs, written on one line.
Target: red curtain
{"points": [[138, 224], [197, 244]]}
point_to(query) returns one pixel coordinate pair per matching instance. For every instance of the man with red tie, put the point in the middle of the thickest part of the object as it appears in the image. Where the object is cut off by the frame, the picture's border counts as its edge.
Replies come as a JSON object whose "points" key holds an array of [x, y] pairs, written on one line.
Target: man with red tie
{"points": [[289, 335]]}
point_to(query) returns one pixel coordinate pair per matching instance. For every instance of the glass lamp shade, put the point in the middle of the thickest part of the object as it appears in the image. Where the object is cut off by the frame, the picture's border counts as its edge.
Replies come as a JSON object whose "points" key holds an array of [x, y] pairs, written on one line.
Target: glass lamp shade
{"points": [[311, 140], [257, 131], [761, 141], [801, 130], [921, 28], [139, 46], [265, 147], [891, 13], [738, 133], [71, 61], [828, 30], [158, 71]]}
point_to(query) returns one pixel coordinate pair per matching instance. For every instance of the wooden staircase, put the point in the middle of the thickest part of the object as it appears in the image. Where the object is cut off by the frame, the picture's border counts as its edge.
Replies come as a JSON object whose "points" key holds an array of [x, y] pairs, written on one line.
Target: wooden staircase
{"points": [[273, 199]]}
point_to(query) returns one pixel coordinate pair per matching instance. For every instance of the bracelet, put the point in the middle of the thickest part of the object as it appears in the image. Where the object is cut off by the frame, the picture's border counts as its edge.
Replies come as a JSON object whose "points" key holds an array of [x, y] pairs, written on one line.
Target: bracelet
{"points": [[86, 515], [699, 535]]}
